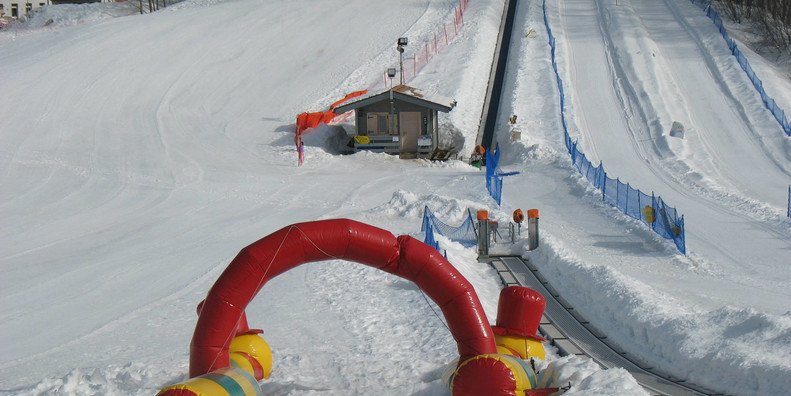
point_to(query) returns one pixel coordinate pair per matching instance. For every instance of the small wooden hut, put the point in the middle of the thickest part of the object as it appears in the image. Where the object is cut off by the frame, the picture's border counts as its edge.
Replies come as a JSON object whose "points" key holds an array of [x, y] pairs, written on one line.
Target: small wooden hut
{"points": [[400, 120]]}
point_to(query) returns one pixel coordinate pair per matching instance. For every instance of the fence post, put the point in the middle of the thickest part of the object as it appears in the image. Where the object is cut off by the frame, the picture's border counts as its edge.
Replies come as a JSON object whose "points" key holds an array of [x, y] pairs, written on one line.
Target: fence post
{"points": [[456, 21], [604, 182], [653, 206], [426, 218], [639, 204], [626, 207], [683, 236], [474, 230], [574, 152]]}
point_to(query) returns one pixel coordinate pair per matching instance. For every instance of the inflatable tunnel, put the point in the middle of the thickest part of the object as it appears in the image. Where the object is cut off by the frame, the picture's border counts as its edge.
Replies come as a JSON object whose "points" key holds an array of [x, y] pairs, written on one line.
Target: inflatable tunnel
{"points": [[339, 239], [227, 358]]}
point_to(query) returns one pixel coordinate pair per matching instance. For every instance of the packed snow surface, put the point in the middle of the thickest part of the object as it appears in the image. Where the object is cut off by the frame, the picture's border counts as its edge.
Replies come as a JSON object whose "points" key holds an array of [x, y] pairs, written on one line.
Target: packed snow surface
{"points": [[140, 153]]}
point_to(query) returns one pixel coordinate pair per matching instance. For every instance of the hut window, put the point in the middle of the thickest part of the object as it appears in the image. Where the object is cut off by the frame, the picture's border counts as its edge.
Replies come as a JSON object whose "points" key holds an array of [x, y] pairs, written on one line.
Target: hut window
{"points": [[379, 124]]}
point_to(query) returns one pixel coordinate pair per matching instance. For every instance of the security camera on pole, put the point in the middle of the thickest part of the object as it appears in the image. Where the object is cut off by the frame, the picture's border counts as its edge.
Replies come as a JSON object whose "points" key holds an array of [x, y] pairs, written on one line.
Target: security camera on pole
{"points": [[402, 42]]}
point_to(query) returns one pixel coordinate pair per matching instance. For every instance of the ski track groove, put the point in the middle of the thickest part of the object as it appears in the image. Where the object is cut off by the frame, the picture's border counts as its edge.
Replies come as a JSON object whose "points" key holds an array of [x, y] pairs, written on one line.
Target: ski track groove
{"points": [[679, 184]]}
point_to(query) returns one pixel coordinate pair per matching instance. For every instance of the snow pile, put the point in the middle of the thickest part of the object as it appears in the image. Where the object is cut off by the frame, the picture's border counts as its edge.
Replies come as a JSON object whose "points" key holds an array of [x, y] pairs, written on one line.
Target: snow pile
{"points": [[582, 376], [130, 379]]}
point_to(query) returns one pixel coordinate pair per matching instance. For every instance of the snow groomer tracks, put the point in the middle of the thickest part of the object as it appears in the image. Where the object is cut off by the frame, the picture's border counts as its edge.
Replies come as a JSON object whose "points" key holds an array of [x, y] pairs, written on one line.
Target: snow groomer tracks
{"points": [[572, 334]]}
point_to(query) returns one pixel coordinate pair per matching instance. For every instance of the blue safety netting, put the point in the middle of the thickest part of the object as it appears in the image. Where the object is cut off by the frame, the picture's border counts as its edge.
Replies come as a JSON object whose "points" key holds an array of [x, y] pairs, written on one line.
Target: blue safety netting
{"points": [[494, 177], [662, 219], [464, 233], [778, 113], [429, 240]]}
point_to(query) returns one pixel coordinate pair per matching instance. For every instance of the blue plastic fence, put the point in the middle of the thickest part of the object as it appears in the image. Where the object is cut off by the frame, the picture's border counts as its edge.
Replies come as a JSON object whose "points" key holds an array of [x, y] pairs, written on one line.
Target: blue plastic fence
{"points": [[464, 233], [494, 184], [628, 200], [770, 103], [494, 178]]}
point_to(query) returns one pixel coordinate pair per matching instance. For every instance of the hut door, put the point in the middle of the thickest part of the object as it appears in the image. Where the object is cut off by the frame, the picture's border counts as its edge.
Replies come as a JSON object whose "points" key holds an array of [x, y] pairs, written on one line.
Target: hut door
{"points": [[410, 129]]}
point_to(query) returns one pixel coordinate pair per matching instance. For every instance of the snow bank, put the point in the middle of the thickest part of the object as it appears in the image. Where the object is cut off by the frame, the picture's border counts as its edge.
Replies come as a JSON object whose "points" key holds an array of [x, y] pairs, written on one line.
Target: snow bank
{"points": [[736, 350]]}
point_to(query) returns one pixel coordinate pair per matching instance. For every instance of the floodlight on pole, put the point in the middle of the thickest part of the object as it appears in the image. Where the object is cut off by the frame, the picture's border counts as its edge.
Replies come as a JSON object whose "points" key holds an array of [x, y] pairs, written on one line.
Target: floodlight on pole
{"points": [[402, 42], [391, 72]]}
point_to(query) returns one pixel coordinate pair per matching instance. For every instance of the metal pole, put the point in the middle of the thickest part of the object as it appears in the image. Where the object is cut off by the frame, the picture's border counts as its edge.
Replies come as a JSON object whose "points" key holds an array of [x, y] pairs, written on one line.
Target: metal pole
{"points": [[392, 109], [483, 237], [532, 229], [401, 61], [483, 233]]}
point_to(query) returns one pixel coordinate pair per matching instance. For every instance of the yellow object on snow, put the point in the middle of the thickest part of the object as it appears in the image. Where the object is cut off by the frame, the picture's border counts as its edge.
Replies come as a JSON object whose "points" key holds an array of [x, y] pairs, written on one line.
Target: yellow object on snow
{"points": [[522, 347]]}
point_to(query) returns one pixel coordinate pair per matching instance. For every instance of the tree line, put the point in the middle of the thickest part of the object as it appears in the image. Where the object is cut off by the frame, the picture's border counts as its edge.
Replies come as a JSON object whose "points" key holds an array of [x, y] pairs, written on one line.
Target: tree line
{"points": [[154, 5], [772, 17]]}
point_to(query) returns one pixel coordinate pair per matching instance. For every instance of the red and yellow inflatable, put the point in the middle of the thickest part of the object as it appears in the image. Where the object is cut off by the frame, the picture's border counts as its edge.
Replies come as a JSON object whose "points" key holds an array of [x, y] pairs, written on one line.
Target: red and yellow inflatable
{"points": [[225, 353]]}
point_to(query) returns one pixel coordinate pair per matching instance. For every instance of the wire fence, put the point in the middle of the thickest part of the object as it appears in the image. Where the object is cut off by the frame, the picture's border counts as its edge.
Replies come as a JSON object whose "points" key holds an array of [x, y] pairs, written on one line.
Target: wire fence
{"points": [[778, 113], [464, 233], [441, 38], [649, 209]]}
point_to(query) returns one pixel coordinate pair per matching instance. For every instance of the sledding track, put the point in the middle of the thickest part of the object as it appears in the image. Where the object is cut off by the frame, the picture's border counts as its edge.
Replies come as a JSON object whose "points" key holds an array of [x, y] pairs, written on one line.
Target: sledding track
{"points": [[568, 330]]}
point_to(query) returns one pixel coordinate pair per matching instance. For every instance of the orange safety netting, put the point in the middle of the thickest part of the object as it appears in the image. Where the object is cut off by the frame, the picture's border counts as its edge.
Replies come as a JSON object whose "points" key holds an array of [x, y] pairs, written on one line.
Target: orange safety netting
{"points": [[312, 120]]}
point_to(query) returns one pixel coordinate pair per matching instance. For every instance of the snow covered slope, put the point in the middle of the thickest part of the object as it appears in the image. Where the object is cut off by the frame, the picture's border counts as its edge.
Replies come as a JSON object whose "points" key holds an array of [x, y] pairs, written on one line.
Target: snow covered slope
{"points": [[139, 154], [701, 317]]}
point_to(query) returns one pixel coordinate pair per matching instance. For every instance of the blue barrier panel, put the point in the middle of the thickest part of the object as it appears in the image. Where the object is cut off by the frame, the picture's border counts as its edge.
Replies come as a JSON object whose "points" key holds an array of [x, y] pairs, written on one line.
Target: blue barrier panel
{"points": [[492, 159], [494, 178], [623, 195], [497, 188], [645, 201], [610, 191], [628, 200], [769, 103]]}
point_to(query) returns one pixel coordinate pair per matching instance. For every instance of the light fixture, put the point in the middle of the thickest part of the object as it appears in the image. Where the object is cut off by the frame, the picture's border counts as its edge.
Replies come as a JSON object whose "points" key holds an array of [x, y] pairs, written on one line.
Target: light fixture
{"points": [[402, 41]]}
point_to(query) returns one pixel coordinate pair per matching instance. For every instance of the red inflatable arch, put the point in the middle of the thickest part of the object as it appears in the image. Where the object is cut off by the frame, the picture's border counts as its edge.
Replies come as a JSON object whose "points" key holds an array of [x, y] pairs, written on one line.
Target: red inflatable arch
{"points": [[335, 239]]}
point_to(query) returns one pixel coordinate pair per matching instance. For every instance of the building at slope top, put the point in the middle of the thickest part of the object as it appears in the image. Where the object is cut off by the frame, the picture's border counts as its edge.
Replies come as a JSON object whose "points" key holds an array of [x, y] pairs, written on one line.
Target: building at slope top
{"points": [[22, 8], [19, 8], [401, 120]]}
